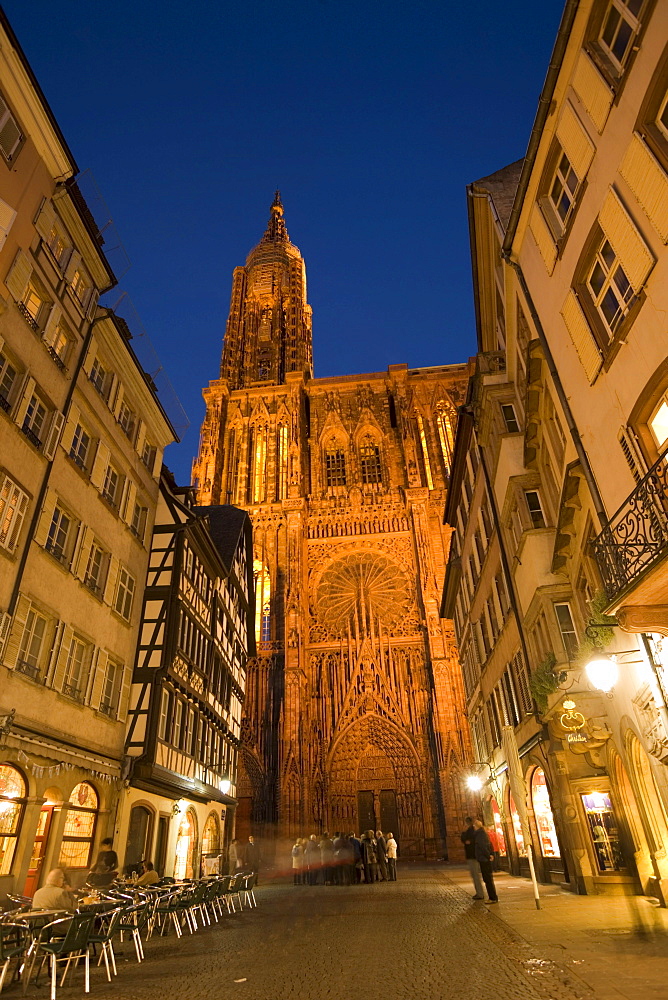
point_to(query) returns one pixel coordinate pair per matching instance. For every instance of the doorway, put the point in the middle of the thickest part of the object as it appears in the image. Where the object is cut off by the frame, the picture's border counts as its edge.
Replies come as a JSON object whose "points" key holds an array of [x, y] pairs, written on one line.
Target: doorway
{"points": [[366, 818], [140, 832], [38, 850], [161, 845], [389, 819]]}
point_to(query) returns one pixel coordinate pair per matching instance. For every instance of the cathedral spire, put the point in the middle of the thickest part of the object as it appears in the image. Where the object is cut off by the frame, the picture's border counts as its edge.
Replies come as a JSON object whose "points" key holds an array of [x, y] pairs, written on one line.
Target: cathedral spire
{"points": [[276, 231]]}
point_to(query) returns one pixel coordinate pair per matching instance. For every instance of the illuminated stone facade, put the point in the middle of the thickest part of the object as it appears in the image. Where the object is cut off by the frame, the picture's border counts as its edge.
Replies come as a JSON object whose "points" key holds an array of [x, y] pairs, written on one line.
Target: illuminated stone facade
{"points": [[354, 704]]}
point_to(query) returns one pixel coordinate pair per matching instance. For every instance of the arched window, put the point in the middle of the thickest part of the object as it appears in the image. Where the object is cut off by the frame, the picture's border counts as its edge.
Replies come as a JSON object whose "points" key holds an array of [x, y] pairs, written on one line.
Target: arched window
{"points": [[12, 803], [259, 464], [186, 840], [498, 826], [77, 844], [370, 463], [517, 828], [262, 602], [425, 451], [445, 435], [211, 836], [547, 834], [140, 830]]}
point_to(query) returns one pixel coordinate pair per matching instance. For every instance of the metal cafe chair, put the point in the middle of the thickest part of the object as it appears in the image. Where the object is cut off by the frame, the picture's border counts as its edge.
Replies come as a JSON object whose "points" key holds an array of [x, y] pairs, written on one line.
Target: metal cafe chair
{"points": [[13, 943], [247, 889], [66, 940], [133, 920], [104, 936]]}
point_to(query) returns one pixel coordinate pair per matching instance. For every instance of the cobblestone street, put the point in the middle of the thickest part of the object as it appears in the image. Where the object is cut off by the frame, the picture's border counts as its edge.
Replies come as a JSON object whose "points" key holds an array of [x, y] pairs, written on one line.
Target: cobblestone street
{"points": [[419, 938]]}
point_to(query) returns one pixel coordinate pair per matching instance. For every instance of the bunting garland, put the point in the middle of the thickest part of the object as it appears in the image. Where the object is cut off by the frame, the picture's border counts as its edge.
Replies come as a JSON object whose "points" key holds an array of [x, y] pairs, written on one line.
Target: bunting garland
{"points": [[38, 771]]}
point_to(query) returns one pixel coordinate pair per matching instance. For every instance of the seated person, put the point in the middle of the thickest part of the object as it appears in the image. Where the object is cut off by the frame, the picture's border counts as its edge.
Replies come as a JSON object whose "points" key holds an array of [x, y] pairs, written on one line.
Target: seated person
{"points": [[55, 894], [149, 876]]}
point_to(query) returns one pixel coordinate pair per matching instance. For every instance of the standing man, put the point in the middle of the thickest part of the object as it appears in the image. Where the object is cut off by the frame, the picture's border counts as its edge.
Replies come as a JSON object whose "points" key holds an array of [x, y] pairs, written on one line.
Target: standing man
{"points": [[381, 851], [252, 856], [485, 858], [391, 857], [468, 840]]}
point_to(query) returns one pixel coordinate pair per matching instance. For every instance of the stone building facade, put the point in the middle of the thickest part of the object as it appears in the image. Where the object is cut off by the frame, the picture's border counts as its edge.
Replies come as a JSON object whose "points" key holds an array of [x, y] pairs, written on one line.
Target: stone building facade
{"points": [[354, 703]]}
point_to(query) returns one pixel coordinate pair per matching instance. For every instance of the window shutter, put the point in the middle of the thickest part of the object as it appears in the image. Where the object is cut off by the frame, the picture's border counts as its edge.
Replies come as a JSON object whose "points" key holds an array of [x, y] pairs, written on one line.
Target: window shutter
{"points": [[632, 453], [130, 500], [16, 634], [157, 464], [543, 237], [61, 660], [649, 182], [592, 90], [575, 142], [81, 556], [72, 265], [19, 275], [92, 303], [124, 697], [115, 404], [19, 518], [114, 391], [2, 343], [634, 254], [582, 337], [112, 578], [98, 670], [100, 464], [68, 434], [45, 220], [24, 399], [53, 437], [141, 436], [7, 216], [45, 518], [52, 323], [5, 625], [90, 356]]}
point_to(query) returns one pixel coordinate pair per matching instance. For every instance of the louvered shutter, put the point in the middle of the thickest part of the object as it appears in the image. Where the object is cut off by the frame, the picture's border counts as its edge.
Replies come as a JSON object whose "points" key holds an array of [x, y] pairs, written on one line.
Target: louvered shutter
{"points": [[592, 90], [634, 255], [91, 354], [45, 220], [130, 500], [543, 237], [19, 517], [5, 626], [16, 634], [46, 516], [7, 216], [97, 681], [114, 390], [73, 418], [649, 182], [124, 697], [112, 579], [73, 265], [157, 463], [81, 557], [52, 323], [141, 435], [575, 142], [53, 437], [24, 400], [100, 464], [92, 303], [19, 275], [582, 337], [632, 453], [61, 660], [115, 404]]}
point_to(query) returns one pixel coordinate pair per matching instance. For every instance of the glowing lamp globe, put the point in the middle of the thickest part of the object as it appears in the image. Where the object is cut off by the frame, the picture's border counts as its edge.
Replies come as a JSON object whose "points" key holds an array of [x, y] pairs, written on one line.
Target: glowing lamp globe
{"points": [[474, 783], [225, 785], [603, 673]]}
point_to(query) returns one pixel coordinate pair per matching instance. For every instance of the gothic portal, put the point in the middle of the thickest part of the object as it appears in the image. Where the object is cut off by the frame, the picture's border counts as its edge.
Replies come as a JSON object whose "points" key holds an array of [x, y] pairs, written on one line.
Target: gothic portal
{"points": [[354, 712]]}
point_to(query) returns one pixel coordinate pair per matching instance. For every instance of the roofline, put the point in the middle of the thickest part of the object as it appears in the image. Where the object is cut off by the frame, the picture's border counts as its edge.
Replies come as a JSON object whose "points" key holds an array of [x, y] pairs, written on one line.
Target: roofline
{"points": [[544, 102], [470, 194], [4, 21]]}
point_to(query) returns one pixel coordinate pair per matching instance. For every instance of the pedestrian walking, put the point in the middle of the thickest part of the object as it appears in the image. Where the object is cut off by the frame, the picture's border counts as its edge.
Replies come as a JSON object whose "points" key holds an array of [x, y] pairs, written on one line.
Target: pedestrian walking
{"points": [[391, 846], [485, 858], [370, 857], [468, 840], [358, 860], [326, 846], [252, 857], [234, 861], [312, 860], [381, 851], [297, 862]]}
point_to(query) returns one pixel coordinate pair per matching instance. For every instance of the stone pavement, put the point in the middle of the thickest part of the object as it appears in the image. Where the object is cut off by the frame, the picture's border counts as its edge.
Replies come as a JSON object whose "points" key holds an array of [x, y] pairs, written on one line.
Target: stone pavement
{"points": [[616, 944], [417, 939]]}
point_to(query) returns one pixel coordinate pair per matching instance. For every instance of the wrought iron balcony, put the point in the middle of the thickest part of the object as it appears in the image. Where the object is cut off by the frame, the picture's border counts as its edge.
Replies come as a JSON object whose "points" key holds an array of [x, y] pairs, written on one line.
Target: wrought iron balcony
{"points": [[637, 535]]}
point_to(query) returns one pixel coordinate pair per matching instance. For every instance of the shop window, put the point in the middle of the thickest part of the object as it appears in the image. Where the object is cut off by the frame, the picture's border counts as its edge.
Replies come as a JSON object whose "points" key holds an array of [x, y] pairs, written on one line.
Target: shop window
{"points": [[517, 828], [211, 836], [186, 841], [77, 844], [604, 832], [12, 803], [498, 827], [547, 834]]}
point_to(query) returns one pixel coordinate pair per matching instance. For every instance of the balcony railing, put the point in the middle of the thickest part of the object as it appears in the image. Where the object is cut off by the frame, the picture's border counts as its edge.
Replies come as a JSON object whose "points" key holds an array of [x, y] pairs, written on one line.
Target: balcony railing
{"points": [[29, 669], [637, 535]]}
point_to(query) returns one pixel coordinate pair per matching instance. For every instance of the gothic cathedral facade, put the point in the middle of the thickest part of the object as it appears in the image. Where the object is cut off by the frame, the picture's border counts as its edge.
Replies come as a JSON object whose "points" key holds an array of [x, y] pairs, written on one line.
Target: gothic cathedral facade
{"points": [[354, 712]]}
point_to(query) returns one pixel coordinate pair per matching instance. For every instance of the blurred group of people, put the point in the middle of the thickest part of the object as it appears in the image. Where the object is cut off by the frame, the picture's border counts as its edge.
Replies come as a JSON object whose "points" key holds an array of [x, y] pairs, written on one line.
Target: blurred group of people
{"points": [[345, 859]]}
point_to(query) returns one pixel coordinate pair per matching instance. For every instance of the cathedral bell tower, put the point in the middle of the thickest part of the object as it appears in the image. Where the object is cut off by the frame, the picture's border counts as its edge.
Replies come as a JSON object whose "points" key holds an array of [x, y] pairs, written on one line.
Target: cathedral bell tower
{"points": [[269, 327]]}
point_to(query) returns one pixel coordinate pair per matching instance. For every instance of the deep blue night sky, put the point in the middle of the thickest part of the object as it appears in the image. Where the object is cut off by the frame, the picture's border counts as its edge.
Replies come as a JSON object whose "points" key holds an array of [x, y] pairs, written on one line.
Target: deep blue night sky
{"points": [[370, 117]]}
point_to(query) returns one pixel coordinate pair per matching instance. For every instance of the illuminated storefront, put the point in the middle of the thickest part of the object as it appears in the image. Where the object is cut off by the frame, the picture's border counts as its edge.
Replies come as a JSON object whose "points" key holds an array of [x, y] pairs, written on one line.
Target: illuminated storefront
{"points": [[186, 840], [547, 834], [517, 828], [603, 829], [12, 802], [77, 844], [498, 827]]}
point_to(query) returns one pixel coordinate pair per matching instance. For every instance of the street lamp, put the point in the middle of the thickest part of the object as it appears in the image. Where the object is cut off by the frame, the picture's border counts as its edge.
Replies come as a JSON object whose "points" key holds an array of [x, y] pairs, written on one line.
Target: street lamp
{"points": [[473, 781], [603, 672], [225, 785]]}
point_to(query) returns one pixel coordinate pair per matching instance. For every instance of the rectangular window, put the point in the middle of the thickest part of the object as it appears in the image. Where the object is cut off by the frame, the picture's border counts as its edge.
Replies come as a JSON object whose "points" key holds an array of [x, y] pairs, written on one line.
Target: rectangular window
{"points": [[567, 628], [111, 486], [34, 305], [610, 289], [96, 569], [127, 418], [164, 713], [13, 506], [80, 449], [32, 643], [510, 418], [57, 245], [7, 383], [148, 455], [535, 510], [176, 722], [562, 190], [658, 423], [125, 590], [619, 30], [80, 287], [34, 421], [11, 136], [58, 344], [111, 688], [76, 669], [99, 376], [59, 534], [335, 467], [370, 464], [138, 525]]}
